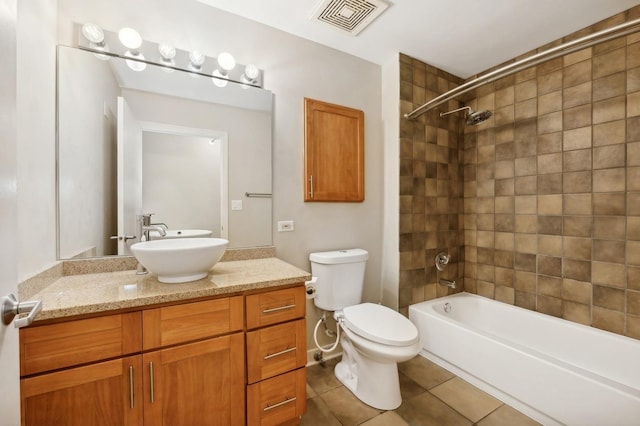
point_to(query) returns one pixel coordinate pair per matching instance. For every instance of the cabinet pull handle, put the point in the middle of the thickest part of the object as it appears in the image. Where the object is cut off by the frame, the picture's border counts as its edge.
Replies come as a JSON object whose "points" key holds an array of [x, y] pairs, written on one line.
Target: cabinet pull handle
{"points": [[280, 308], [311, 186], [269, 356], [153, 399], [271, 407], [131, 386]]}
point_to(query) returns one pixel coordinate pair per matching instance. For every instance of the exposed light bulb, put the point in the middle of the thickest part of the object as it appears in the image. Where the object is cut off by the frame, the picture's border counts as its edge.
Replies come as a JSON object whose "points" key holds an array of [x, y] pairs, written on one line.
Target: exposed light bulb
{"points": [[130, 38], [226, 61], [219, 79], [167, 52], [251, 72], [196, 60], [135, 65], [93, 33]]}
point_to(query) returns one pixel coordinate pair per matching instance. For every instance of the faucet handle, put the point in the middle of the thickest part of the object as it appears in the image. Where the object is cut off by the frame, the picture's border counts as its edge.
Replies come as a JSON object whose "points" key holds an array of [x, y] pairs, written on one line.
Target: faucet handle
{"points": [[145, 218], [442, 259]]}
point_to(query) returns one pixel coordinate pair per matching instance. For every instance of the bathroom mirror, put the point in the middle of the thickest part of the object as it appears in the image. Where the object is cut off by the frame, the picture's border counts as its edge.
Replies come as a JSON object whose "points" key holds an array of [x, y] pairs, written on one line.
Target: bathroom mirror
{"points": [[160, 141]]}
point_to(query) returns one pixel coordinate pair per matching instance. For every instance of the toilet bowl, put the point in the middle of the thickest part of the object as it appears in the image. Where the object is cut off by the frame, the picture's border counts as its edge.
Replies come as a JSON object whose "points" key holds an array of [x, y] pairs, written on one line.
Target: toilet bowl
{"points": [[374, 338]]}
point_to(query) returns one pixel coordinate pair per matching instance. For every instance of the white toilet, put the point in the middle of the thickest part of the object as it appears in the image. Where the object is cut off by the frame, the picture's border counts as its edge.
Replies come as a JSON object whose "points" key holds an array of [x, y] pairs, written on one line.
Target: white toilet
{"points": [[374, 338]]}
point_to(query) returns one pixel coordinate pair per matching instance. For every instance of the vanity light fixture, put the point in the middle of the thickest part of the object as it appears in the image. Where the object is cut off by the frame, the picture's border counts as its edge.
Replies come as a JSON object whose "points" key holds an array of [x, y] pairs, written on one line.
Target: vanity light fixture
{"points": [[219, 79], [128, 44], [226, 62], [130, 38], [132, 41], [196, 60], [167, 54], [250, 74], [95, 36]]}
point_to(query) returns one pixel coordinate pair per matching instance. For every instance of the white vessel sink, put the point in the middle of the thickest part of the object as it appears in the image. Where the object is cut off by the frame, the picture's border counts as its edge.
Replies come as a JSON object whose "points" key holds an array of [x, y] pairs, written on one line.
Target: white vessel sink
{"points": [[180, 260], [180, 233]]}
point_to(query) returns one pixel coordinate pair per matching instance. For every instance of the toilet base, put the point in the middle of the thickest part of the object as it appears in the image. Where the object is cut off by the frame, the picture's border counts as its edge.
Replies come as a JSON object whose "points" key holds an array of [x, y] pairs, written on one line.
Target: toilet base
{"points": [[372, 382]]}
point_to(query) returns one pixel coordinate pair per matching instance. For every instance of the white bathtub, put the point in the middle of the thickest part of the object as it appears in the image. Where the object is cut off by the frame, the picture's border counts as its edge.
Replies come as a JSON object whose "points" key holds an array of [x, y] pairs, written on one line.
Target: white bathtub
{"points": [[554, 371]]}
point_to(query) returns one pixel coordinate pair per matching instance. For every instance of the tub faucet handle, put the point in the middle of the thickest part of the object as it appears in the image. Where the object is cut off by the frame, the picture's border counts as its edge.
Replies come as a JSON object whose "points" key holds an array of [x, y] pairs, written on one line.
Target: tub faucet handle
{"points": [[442, 259]]}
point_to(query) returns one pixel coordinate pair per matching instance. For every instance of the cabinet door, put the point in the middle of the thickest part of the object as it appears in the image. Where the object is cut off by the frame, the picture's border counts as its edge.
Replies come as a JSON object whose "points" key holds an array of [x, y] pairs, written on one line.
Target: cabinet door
{"points": [[196, 384], [106, 393], [333, 152]]}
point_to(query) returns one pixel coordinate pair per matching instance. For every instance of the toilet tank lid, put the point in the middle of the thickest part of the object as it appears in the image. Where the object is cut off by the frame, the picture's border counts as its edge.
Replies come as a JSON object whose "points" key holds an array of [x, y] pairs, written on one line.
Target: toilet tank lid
{"points": [[339, 256]]}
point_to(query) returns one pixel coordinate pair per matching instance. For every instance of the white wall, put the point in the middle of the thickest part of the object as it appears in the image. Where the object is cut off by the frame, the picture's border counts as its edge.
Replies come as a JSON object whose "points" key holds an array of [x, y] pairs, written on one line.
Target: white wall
{"points": [[391, 235]]}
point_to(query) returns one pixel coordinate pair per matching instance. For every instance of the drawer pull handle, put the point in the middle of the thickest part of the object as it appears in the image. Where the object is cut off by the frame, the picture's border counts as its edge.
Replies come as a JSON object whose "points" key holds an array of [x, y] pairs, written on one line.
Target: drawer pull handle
{"points": [[280, 308], [131, 386], [151, 390], [279, 404], [269, 356]]}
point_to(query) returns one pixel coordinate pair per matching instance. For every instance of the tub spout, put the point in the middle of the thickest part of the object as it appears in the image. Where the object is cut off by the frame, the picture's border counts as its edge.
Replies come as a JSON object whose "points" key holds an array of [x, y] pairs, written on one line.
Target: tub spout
{"points": [[448, 283]]}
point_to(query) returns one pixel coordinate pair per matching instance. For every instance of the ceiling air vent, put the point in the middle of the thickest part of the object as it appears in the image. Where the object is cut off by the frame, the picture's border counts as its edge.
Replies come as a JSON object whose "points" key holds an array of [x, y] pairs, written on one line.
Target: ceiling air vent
{"points": [[351, 16]]}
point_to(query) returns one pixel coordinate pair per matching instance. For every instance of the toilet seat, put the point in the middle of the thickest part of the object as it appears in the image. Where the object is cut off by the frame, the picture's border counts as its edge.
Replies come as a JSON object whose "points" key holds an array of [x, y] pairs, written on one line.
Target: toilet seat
{"points": [[380, 324]]}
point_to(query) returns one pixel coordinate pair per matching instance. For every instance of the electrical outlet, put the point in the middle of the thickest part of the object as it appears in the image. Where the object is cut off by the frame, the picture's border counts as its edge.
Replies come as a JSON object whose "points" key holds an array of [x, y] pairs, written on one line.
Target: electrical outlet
{"points": [[285, 226]]}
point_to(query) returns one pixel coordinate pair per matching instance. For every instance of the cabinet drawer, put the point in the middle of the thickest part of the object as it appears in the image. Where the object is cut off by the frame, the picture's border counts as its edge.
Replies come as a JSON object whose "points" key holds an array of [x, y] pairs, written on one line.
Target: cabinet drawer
{"points": [[54, 346], [275, 350], [278, 399], [171, 325], [275, 306]]}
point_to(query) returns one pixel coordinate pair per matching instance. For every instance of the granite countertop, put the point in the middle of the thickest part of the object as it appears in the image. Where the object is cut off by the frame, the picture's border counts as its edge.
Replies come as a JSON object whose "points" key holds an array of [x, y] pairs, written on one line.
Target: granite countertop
{"points": [[109, 291]]}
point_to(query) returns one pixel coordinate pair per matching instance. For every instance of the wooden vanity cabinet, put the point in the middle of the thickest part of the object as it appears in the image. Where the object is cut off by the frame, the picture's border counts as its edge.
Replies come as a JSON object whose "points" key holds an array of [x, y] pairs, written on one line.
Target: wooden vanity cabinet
{"points": [[186, 368], [180, 364], [276, 357]]}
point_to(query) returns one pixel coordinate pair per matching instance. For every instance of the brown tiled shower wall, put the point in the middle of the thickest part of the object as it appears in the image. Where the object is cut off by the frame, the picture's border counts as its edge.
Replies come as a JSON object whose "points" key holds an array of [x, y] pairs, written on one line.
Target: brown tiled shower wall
{"points": [[539, 206]]}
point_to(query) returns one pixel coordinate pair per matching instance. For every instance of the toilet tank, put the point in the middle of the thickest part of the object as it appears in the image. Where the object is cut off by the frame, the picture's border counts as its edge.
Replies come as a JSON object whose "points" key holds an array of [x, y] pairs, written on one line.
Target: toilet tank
{"points": [[340, 277]]}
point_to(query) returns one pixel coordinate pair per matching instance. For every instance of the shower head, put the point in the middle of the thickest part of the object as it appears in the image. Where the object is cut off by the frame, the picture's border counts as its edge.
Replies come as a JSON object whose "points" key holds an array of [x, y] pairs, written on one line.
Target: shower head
{"points": [[477, 117], [472, 117]]}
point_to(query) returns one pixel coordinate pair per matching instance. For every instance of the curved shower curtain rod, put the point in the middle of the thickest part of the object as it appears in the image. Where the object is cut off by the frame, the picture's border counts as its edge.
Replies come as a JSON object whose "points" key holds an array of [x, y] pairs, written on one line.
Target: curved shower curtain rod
{"points": [[617, 31]]}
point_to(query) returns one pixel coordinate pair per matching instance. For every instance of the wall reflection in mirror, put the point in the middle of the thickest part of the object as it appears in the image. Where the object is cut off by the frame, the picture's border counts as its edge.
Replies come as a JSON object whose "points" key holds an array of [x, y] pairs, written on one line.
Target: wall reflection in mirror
{"points": [[160, 141]]}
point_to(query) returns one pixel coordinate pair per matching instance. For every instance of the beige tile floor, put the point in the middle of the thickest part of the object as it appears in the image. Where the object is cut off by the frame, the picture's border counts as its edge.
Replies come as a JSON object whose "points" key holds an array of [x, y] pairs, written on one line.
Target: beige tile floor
{"points": [[430, 396]]}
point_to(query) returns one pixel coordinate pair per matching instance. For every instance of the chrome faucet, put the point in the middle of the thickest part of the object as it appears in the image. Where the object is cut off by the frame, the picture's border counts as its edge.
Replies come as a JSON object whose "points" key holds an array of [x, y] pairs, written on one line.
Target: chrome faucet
{"points": [[145, 226]]}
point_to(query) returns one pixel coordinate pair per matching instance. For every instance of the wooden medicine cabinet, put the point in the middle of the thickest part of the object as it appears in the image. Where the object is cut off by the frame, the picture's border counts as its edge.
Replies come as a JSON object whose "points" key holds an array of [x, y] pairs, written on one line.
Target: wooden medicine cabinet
{"points": [[333, 152]]}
